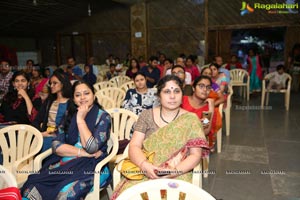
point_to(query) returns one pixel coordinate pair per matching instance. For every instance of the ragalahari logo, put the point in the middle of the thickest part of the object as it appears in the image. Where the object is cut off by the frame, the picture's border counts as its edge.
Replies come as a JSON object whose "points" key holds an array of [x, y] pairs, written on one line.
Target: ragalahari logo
{"points": [[246, 8]]}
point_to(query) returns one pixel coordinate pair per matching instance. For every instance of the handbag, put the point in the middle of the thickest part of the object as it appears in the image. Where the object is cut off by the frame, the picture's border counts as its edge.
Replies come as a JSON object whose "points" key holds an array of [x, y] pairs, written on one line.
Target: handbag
{"points": [[130, 170]]}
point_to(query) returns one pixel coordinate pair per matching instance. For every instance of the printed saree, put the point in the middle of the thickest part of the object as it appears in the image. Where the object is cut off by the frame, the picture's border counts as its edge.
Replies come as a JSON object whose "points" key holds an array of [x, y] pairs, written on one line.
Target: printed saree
{"points": [[171, 145]]}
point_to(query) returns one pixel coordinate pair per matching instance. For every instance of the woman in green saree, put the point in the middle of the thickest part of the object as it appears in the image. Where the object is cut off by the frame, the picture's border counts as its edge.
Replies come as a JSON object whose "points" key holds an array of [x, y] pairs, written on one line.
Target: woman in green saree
{"points": [[175, 135]]}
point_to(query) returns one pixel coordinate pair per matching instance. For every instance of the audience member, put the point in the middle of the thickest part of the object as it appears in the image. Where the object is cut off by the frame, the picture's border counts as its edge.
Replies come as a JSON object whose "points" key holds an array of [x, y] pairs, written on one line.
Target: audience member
{"points": [[79, 146], [166, 130], [56, 106], [76, 72], [133, 68], [112, 72], [89, 76], [18, 104], [199, 103], [140, 98], [234, 63], [152, 72], [5, 76], [278, 79], [179, 71]]}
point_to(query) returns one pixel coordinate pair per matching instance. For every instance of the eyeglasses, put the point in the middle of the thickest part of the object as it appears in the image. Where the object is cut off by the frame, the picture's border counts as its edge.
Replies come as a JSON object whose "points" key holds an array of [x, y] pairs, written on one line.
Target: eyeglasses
{"points": [[177, 73], [202, 86], [4, 65]]}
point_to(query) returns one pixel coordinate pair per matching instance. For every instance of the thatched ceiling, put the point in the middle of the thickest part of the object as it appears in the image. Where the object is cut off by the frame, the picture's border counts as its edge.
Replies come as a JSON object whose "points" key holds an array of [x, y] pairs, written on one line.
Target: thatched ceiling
{"points": [[33, 18]]}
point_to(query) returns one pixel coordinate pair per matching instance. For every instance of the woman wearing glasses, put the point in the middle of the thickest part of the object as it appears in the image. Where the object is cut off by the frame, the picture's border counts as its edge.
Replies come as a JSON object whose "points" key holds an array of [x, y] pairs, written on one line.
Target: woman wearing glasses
{"points": [[200, 104], [55, 107]]}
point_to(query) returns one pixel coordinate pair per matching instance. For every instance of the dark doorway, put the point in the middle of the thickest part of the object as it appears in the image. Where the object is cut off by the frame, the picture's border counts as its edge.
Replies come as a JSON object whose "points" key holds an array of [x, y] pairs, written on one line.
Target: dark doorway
{"points": [[268, 43]]}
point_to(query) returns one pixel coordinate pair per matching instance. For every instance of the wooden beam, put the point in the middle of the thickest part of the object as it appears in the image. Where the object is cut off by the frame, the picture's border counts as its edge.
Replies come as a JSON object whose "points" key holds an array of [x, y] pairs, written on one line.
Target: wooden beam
{"points": [[247, 26]]}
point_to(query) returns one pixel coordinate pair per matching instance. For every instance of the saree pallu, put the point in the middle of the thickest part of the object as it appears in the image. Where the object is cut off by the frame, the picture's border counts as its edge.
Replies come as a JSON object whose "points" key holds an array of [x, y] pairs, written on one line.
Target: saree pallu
{"points": [[171, 145]]}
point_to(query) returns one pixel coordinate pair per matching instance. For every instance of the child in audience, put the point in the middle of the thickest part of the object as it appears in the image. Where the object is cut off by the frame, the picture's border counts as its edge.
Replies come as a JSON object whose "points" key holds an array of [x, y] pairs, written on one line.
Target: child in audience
{"points": [[277, 79], [112, 72]]}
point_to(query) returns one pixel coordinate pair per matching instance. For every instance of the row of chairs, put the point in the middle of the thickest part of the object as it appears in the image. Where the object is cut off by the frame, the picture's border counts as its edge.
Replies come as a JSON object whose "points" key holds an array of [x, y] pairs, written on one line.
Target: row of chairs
{"points": [[240, 78], [19, 156]]}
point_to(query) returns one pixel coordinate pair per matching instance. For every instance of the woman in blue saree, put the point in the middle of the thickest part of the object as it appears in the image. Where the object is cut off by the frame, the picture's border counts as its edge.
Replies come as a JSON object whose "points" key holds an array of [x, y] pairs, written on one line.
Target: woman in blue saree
{"points": [[78, 147]]}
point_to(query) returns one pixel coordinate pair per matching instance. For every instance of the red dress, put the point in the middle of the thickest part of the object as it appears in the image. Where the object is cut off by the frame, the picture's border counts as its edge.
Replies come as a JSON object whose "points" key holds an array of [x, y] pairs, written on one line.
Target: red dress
{"points": [[198, 111]]}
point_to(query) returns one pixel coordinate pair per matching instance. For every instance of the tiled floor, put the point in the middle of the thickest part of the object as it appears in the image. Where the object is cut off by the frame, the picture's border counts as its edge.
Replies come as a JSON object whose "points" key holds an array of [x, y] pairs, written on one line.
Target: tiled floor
{"points": [[260, 160]]}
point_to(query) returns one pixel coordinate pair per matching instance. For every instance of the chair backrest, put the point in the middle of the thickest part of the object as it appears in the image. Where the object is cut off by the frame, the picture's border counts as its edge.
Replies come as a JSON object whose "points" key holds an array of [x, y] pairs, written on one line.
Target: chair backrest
{"points": [[119, 80], [105, 101], [117, 94], [113, 147], [6, 178], [237, 76], [168, 189], [122, 122], [230, 93], [101, 85], [19, 141], [127, 85]]}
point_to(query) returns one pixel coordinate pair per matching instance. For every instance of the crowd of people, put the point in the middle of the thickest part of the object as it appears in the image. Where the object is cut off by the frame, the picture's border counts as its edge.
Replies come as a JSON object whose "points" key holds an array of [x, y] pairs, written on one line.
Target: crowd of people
{"points": [[169, 97]]}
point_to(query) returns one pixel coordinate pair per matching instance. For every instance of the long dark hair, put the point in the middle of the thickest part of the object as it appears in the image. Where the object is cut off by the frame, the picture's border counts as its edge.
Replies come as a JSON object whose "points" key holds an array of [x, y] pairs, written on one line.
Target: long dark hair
{"points": [[66, 85], [12, 94], [89, 86], [137, 64]]}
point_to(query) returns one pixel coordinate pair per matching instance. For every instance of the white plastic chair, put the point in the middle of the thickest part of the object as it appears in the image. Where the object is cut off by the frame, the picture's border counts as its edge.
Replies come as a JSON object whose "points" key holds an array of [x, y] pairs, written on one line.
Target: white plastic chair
{"points": [[166, 189], [7, 179], [113, 147], [122, 122], [119, 80], [286, 91], [101, 85], [227, 110], [105, 101], [117, 94], [127, 85], [19, 144], [237, 77], [196, 179]]}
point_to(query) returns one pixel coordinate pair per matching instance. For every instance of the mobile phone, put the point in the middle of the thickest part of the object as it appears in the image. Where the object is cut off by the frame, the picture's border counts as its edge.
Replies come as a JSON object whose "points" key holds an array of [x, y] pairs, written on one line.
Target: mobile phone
{"points": [[163, 173]]}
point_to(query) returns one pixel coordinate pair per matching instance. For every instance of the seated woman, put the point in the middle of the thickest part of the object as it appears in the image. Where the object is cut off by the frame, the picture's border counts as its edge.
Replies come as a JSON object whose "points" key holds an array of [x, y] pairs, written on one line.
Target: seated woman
{"points": [[55, 107], [37, 80], [167, 131], [18, 105], [218, 78], [199, 103], [133, 68], [78, 148], [140, 98], [215, 92]]}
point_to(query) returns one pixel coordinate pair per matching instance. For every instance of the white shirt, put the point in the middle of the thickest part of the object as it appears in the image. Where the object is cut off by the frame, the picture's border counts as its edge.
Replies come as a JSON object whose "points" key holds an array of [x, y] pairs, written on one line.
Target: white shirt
{"points": [[188, 77]]}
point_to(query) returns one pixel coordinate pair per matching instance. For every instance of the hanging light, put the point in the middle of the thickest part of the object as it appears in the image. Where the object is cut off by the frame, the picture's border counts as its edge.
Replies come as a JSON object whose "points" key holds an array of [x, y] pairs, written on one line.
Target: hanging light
{"points": [[89, 10], [34, 2]]}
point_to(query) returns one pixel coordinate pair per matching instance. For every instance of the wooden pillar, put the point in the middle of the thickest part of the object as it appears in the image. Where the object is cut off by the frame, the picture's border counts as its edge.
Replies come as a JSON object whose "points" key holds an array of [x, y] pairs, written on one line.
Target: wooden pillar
{"points": [[88, 48], [206, 30], [58, 50], [138, 26]]}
